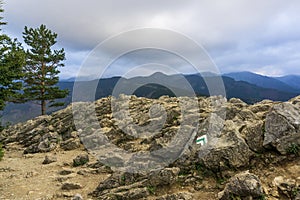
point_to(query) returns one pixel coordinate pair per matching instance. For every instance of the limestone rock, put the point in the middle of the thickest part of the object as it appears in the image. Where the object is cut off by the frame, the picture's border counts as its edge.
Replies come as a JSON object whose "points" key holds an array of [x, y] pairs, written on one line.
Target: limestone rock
{"points": [[243, 185], [283, 127], [228, 151], [253, 134]]}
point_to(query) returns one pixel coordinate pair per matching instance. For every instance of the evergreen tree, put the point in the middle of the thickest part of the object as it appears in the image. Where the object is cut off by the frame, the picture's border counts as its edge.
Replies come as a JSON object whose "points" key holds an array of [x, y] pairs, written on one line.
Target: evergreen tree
{"points": [[41, 69], [11, 62]]}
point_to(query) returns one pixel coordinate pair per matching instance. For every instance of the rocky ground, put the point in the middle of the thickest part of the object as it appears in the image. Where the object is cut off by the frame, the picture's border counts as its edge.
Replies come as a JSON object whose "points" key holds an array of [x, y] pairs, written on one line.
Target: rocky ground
{"points": [[252, 151]]}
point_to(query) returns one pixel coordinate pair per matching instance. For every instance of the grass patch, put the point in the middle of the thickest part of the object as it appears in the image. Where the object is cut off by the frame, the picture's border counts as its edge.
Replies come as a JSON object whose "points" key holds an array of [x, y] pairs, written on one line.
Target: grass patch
{"points": [[151, 189]]}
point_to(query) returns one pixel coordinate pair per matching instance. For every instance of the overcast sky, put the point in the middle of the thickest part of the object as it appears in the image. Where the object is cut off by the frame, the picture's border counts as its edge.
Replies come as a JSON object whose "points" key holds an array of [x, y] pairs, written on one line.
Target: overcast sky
{"points": [[239, 35]]}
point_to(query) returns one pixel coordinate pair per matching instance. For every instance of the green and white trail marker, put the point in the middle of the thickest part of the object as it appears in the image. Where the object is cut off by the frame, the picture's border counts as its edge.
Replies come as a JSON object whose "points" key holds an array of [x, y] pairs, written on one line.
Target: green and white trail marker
{"points": [[201, 140]]}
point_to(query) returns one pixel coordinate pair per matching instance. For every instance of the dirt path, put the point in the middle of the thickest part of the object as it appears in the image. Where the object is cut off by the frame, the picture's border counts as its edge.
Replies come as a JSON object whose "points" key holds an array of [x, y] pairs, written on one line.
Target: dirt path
{"points": [[25, 177]]}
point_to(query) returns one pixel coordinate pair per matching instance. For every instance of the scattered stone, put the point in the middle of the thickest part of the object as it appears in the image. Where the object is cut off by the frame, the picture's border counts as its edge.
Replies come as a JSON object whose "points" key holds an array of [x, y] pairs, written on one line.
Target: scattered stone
{"points": [[80, 160], [65, 172], [244, 185], [77, 197], [71, 186], [31, 174], [180, 195], [49, 159]]}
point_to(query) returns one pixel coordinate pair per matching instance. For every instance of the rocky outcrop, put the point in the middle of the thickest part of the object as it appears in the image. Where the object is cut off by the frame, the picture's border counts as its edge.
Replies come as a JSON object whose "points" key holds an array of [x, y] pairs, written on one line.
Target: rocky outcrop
{"points": [[148, 142]]}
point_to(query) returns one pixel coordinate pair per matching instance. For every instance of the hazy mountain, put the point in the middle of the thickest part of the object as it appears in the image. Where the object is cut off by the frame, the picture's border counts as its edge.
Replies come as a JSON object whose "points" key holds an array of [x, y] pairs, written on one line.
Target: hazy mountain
{"points": [[291, 80], [153, 86], [263, 81]]}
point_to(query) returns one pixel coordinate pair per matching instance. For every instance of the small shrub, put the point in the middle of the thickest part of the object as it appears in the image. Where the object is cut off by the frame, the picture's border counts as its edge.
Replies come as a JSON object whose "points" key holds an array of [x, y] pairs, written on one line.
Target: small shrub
{"points": [[295, 192], [123, 180], [151, 189], [1, 152], [262, 197], [202, 170], [293, 149], [234, 197]]}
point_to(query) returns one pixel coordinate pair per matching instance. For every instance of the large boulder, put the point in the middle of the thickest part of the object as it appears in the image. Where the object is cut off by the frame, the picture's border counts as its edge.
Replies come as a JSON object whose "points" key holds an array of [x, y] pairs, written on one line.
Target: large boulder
{"points": [[228, 151], [282, 127]]}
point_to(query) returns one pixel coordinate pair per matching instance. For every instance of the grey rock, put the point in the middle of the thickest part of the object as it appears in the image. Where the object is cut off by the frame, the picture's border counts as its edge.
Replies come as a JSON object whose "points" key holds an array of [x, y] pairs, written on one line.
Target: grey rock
{"points": [[282, 127], [165, 176], [243, 185], [80, 160], [226, 152], [117, 180], [71, 186], [77, 197], [253, 134], [65, 172], [288, 187], [70, 144], [177, 196], [49, 159], [137, 193]]}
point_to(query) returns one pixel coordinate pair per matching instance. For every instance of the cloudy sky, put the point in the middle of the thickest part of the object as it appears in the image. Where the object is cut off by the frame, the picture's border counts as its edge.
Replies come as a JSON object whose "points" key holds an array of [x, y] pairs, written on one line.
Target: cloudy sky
{"points": [[238, 35]]}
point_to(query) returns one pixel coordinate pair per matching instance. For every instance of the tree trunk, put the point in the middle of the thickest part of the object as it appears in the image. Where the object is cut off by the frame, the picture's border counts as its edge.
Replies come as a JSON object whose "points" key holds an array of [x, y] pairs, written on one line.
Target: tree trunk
{"points": [[43, 107], [43, 102]]}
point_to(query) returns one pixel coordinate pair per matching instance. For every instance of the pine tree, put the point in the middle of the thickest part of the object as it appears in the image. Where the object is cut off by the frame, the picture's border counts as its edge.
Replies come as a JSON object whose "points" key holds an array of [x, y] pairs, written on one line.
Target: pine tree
{"points": [[11, 62], [41, 69]]}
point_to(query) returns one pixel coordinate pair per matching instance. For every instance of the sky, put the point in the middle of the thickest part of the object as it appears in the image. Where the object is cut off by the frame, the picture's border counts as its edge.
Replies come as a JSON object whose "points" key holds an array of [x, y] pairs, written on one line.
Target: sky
{"points": [[233, 35]]}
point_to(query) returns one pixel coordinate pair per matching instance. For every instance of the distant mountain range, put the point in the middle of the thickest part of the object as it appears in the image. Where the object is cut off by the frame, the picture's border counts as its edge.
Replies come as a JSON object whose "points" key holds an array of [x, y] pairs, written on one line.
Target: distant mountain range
{"points": [[286, 83], [247, 86], [291, 80]]}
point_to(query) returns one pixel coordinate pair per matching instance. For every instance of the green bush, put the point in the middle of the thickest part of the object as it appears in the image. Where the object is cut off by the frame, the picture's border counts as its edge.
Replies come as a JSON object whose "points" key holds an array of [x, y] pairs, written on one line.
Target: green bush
{"points": [[1, 152], [293, 149]]}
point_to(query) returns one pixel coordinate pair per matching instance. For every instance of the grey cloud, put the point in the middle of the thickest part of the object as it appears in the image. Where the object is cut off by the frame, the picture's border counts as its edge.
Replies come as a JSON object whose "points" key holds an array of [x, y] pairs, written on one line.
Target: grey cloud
{"points": [[239, 35]]}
